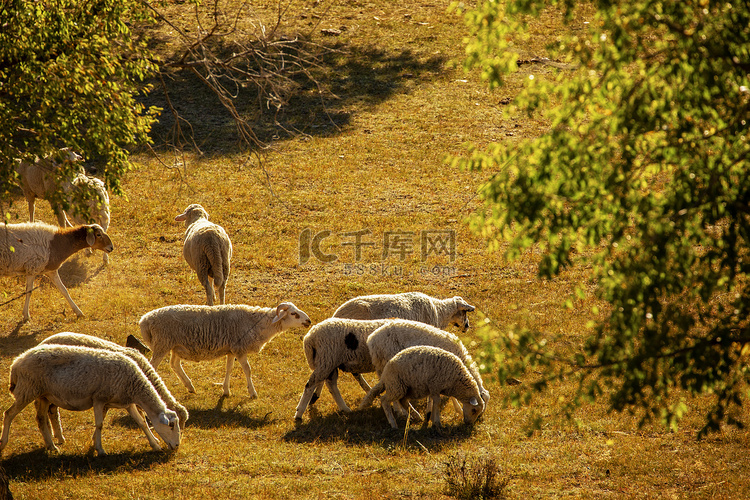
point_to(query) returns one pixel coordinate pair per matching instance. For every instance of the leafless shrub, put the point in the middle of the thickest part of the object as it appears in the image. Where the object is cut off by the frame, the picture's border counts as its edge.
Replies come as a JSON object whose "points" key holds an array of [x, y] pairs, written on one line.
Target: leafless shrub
{"points": [[481, 479]]}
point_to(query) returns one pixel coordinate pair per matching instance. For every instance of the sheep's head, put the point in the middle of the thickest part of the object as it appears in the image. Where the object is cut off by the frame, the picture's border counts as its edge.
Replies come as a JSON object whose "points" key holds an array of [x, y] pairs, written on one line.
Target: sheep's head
{"points": [[191, 214], [472, 410], [167, 425], [459, 318], [290, 316], [97, 239]]}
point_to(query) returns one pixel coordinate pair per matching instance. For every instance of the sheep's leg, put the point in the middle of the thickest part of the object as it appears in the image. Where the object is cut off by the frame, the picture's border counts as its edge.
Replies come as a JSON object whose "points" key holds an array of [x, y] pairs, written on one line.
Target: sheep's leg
{"points": [[62, 220], [19, 404], [156, 358], [312, 385], [242, 359], [100, 411], [176, 365], [54, 416], [42, 421], [64, 291], [133, 410], [206, 282], [221, 289], [435, 417], [333, 388], [29, 287], [362, 382], [385, 403], [30, 201]]}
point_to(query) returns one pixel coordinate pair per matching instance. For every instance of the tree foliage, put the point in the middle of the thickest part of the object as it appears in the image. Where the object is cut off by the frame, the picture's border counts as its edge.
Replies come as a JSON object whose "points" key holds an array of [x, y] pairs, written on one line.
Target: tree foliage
{"points": [[70, 72], [643, 175]]}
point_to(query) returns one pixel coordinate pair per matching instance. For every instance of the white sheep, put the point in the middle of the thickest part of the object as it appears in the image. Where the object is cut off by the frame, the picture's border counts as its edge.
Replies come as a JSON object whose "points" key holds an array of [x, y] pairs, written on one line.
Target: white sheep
{"points": [[41, 179], [397, 335], [93, 193], [422, 371], [32, 249], [332, 345], [79, 339], [79, 378], [207, 250], [415, 306], [202, 333]]}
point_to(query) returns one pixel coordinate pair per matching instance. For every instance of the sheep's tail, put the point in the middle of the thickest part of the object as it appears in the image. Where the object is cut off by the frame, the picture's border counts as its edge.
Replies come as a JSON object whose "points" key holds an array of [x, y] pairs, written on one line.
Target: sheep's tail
{"points": [[376, 391], [354, 309], [310, 352], [217, 264]]}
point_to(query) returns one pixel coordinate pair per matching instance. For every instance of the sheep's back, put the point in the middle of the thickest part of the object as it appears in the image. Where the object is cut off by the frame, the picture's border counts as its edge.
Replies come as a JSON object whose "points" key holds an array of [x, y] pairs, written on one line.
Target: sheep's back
{"points": [[199, 333], [30, 243]]}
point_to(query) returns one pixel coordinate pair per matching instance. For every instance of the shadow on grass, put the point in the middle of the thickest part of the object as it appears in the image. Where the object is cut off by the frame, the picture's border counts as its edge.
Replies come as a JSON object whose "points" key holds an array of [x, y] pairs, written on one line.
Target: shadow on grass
{"points": [[39, 464], [344, 80], [369, 426]]}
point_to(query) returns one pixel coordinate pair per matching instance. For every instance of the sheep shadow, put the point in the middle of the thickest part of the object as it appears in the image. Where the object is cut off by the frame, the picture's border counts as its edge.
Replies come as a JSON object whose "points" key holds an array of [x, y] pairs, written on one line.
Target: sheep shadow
{"points": [[74, 271], [39, 464], [214, 418], [369, 426]]}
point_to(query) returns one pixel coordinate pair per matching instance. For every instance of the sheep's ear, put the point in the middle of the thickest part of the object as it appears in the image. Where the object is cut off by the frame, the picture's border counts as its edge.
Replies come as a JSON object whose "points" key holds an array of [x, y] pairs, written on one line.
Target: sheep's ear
{"points": [[163, 419], [463, 305], [181, 217], [90, 237], [474, 402], [281, 313]]}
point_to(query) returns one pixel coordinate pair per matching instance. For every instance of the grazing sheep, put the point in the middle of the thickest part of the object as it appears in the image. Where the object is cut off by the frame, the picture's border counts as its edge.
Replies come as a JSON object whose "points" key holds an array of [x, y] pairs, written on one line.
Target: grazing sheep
{"points": [[79, 339], [415, 306], [202, 333], [207, 250], [39, 179], [79, 378], [390, 339], [332, 345], [421, 371], [93, 193], [36, 248]]}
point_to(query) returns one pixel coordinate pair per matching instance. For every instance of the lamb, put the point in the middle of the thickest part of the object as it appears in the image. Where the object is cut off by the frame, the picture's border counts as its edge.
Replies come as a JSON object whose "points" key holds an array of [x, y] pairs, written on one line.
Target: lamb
{"points": [[79, 378], [202, 333], [390, 339], [332, 345], [93, 192], [32, 249], [79, 339], [39, 179], [410, 305], [420, 371], [207, 250]]}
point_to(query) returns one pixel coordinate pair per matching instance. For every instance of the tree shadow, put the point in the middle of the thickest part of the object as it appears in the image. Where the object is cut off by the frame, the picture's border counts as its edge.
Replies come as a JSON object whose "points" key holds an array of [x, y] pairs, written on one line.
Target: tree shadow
{"points": [[344, 80], [369, 426], [39, 464]]}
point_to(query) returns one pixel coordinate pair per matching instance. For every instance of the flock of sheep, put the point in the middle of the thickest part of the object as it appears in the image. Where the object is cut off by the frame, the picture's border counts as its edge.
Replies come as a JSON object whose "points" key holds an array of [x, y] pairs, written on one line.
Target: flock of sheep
{"points": [[401, 337]]}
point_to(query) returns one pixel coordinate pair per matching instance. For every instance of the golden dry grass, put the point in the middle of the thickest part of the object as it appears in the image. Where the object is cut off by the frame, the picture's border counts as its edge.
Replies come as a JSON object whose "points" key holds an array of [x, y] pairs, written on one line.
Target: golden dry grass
{"points": [[380, 169]]}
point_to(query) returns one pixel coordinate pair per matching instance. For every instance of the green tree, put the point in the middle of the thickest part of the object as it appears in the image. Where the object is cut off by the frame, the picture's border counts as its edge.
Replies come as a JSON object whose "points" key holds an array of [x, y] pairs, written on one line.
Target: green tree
{"points": [[70, 72], [642, 174]]}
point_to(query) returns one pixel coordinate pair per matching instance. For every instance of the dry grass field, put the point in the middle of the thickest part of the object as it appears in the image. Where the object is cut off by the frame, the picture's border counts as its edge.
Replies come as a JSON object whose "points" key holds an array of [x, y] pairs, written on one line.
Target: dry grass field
{"points": [[371, 162]]}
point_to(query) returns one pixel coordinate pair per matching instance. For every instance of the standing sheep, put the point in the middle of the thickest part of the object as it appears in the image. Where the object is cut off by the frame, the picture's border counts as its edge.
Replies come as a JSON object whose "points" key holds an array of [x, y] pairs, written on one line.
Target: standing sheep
{"points": [[79, 378], [32, 249], [79, 339], [202, 333], [40, 179], [415, 306], [421, 371], [93, 193], [332, 345], [207, 250], [390, 339]]}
